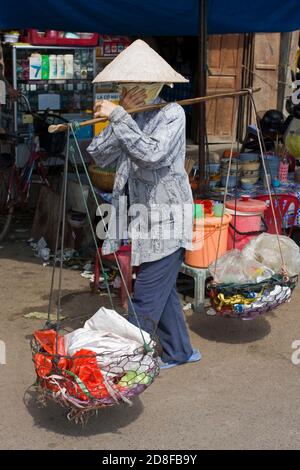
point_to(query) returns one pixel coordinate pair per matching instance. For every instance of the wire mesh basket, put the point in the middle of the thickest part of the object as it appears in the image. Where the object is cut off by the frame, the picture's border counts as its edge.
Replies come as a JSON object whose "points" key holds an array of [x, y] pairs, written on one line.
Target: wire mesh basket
{"points": [[250, 300], [85, 381]]}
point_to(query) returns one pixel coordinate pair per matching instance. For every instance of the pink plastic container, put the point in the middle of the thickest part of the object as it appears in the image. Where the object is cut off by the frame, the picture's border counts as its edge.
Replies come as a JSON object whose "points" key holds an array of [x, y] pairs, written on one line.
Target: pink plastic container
{"points": [[283, 171], [246, 221]]}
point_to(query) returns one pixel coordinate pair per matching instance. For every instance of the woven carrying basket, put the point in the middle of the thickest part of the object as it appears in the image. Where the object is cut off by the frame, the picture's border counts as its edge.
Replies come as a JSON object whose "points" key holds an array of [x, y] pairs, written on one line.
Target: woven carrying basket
{"points": [[102, 179]]}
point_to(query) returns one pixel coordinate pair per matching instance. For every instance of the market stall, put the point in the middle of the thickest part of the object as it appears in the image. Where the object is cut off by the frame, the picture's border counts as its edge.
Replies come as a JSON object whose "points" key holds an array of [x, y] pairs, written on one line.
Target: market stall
{"points": [[66, 87]]}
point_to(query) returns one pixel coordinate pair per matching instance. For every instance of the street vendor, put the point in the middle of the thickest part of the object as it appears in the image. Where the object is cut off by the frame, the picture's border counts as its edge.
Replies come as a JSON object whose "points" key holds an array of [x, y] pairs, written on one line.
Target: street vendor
{"points": [[148, 151]]}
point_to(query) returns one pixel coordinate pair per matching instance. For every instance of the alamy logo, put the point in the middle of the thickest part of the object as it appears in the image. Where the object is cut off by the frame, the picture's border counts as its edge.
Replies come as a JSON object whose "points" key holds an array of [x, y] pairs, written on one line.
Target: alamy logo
{"points": [[153, 222], [2, 353], [295, 357], [296, 93]]}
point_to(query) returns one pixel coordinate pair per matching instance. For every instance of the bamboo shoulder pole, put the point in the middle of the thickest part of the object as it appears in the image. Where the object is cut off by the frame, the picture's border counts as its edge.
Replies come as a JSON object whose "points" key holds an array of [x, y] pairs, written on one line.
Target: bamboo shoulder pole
{"points": [[63, 127]]}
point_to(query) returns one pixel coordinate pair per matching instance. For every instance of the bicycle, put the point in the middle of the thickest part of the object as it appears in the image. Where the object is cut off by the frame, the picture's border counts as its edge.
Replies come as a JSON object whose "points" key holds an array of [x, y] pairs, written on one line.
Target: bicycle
{"points": [[15, 183]]}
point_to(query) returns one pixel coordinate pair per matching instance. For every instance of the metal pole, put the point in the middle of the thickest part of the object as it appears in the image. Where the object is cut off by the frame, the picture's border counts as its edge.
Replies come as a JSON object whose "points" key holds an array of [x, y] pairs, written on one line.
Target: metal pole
{"points": [[15, 85], [202, 47]]}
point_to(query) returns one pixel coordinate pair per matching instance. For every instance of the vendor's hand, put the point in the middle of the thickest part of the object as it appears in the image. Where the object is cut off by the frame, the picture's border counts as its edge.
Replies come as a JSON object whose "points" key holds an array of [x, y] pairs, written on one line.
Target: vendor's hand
{"points": [[133, 98], [103, 108]]}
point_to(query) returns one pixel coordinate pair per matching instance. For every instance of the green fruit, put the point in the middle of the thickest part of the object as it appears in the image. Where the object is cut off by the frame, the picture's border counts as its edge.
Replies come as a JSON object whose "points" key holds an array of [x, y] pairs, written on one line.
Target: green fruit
{"points": [[133, 378]]}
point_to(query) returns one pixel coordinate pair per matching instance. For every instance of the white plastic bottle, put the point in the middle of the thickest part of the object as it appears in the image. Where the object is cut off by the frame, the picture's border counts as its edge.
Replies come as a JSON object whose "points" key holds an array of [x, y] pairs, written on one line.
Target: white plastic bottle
{"points": [[61, 67], [52, 67], [69, 66], [35, 66]]}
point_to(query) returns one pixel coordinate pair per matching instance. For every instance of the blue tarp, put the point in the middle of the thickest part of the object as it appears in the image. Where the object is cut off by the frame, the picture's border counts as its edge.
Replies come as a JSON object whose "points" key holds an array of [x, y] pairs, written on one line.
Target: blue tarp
{"points": [[151, 17]]}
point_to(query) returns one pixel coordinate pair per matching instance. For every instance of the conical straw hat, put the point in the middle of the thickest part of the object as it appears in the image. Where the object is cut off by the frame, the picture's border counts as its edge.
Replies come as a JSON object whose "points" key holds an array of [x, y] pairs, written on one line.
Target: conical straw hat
{"points": [[139, 63]]}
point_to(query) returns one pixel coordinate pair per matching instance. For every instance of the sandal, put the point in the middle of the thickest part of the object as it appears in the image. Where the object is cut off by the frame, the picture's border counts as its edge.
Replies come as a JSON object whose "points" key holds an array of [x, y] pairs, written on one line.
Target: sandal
{"points": [[195, 357]]}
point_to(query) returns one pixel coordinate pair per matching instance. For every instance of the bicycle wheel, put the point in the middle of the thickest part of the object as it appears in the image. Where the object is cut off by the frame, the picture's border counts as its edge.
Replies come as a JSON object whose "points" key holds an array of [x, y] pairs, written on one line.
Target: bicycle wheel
{"points": [[6, 205]]}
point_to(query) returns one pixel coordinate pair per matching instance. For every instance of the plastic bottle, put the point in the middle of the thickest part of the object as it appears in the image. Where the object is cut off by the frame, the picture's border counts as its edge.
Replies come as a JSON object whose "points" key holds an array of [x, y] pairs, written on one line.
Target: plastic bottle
{"points": [[69, 66], [60, 67], [45, 67], [52, 67], [35, 66], [77, 64]]}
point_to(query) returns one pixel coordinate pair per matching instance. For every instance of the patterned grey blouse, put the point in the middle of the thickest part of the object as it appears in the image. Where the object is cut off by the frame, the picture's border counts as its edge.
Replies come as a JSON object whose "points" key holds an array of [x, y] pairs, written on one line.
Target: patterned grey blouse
{"points": [[148, 151]]}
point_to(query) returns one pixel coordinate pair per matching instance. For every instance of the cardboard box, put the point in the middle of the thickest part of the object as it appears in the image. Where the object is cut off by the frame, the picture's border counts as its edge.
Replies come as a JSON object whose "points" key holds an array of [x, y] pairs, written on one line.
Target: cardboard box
{"points": [[112, 45], [114, 98]]}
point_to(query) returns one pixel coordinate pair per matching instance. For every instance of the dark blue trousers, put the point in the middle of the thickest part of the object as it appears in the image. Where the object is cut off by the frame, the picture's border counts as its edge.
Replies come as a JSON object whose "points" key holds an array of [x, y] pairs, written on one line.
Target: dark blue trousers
{"points": [[155, 298]]}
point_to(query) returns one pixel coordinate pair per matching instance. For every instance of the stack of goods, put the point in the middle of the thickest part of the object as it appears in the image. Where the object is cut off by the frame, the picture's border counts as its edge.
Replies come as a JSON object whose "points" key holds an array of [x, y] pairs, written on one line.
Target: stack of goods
{"points": [[246, 170], [251, 282], [214, 169], [106, 362], [214, 174], [250, 166], [234, 174], [58, 67]]}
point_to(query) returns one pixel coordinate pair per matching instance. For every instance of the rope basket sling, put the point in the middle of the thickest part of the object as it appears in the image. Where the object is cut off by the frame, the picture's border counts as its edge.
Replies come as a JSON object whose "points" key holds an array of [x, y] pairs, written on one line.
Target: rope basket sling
{"points": [[86, 381], [247, 301]]}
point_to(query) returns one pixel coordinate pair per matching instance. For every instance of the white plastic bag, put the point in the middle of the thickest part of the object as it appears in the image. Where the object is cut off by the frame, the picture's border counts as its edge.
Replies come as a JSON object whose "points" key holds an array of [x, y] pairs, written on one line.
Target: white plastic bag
{"points": [[117, 343], [235, 267], [106, 320], [265, 250]]}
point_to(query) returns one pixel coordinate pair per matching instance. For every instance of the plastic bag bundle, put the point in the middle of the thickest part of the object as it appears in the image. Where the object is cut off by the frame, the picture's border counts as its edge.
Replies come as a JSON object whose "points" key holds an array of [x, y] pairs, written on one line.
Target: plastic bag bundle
{"points": [[236, 267], [250, 282], [265, 250], [116, 342]]}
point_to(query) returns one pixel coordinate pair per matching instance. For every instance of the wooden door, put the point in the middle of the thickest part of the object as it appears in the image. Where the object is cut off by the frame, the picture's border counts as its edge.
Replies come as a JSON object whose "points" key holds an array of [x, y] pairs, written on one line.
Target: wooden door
{"points": [[265, 73], [225, 54]]}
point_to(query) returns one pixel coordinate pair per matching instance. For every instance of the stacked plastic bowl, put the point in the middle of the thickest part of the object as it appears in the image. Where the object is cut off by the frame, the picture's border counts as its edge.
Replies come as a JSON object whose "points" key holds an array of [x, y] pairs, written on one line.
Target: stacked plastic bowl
{"points": [[250, 170], [235, 171], [214, 174]]}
